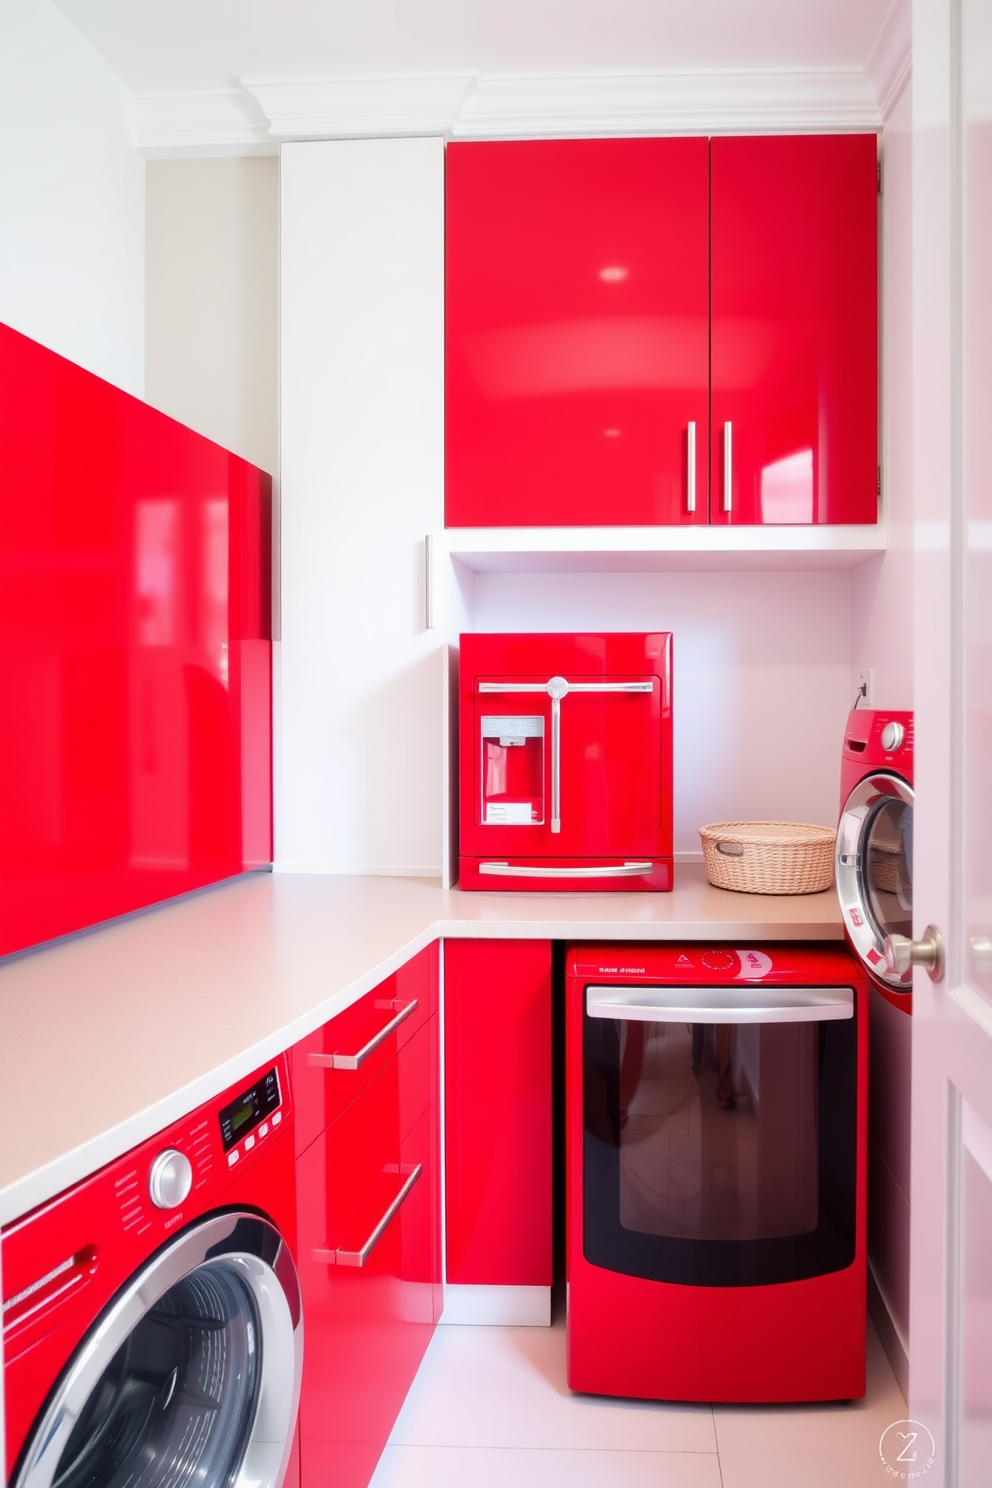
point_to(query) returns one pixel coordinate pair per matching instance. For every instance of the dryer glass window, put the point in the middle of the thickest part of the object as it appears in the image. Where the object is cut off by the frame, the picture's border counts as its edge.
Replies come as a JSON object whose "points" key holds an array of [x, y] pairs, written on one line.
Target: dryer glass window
{"points": [[887, 867], [720, 1154], [176, 1403]]}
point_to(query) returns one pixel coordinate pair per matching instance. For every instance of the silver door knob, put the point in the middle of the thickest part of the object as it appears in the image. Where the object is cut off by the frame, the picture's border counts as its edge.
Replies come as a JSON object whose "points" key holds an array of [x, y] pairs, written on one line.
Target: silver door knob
{"points": [[170, 1179], [900, 953]]}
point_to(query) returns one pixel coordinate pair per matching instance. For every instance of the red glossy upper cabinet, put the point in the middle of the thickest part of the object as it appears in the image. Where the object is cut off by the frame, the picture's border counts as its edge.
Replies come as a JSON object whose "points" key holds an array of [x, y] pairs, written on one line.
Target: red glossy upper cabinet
{"points": [[794, 330], [577, 332]]}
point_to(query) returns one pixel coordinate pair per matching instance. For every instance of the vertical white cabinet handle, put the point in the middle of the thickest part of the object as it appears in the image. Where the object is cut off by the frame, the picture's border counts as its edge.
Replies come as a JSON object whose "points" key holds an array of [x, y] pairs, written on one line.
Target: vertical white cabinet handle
{"points": [[728, 466], [429, 582], [690, 495]]}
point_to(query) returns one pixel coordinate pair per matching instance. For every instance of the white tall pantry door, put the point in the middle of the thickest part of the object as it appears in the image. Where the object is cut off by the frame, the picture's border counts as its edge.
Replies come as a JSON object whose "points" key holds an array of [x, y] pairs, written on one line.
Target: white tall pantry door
{"points": [[951, 1249], [359, 739]]}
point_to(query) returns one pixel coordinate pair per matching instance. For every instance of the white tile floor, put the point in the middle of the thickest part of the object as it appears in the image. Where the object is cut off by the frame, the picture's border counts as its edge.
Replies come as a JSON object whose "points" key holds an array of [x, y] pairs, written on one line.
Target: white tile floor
{"points": [[490, 1409]]}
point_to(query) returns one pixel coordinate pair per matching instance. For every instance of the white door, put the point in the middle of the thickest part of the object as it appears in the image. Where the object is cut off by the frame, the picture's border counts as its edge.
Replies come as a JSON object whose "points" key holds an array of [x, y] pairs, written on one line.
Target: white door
{"points": [[951, 1245]]}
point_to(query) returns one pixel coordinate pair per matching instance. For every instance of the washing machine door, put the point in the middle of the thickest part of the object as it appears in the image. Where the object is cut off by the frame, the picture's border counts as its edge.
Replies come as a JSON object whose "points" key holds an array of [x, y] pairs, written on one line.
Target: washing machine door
{"points": [[190, 1376], [874, 870]]}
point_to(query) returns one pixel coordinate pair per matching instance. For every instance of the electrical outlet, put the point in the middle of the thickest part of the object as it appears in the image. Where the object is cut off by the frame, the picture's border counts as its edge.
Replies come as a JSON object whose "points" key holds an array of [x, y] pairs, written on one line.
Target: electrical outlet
{"points": [[866, 689]]}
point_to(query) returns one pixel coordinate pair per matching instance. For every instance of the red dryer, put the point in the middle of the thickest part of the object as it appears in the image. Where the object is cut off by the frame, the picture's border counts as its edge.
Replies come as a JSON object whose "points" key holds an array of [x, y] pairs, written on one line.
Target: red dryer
{"points": [[716, 1147], [152, 1327], [874, 867]]}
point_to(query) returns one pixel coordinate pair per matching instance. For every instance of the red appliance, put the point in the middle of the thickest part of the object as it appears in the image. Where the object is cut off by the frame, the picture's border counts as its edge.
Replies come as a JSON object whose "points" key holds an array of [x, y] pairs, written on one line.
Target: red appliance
{"points": [[566, 761], [874, 867], [716, 1172], [152, 1324], [134, 652]]}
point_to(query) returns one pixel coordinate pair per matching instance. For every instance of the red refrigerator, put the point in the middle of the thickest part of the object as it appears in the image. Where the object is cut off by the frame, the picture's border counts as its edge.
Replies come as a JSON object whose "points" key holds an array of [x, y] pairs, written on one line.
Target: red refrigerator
{"points": [[566, 761]]}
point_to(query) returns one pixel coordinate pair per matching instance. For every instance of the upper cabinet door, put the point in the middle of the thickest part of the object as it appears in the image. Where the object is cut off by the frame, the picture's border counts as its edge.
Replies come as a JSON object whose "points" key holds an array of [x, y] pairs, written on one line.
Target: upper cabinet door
{"points": [[577, 332], [794, 330]]}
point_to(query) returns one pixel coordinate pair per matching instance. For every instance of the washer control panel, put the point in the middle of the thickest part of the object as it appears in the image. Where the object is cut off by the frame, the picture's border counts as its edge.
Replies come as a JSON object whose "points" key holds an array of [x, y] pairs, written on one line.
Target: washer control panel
{"points": [[170, 1179]]}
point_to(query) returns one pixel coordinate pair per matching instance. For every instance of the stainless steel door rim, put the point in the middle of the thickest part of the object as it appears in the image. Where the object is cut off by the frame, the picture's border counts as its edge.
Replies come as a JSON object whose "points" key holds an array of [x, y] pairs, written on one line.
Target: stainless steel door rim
{"points": [[856, 891]]}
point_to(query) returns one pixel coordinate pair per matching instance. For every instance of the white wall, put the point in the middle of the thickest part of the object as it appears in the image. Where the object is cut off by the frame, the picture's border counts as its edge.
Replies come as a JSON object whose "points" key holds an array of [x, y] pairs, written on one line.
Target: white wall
{"points": [[212, 300], [359, 703], [882, 588], [761, 678], [72, 195]]}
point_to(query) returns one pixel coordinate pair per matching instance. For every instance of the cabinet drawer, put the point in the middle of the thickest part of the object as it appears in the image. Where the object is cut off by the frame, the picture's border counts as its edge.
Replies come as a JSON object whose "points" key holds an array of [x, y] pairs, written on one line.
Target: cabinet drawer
{"points": [[369, 1254], [337, 1062]]}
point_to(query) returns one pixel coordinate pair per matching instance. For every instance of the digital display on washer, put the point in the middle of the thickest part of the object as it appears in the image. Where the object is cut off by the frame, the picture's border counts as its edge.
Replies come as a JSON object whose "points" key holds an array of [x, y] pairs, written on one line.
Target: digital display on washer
{"points": [[251, 1107]]}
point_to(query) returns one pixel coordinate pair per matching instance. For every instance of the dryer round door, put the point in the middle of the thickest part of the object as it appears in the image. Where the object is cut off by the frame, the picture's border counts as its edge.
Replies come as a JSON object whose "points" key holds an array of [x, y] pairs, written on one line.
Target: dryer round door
{"points": [[190, 1376], [875, 870]]}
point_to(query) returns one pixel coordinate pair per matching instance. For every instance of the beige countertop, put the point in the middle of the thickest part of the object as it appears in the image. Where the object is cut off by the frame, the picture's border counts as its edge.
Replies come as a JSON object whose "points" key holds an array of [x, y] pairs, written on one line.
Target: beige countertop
{"points": [[108, 1037]]}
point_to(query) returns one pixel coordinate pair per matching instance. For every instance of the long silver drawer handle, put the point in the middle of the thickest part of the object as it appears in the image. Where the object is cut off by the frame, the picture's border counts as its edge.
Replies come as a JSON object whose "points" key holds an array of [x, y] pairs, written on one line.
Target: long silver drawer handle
{"points": [[608, 870], [359, 1257], [690, 501], [352, 1061], [737, 1004], [728, 466], [645, 686]]}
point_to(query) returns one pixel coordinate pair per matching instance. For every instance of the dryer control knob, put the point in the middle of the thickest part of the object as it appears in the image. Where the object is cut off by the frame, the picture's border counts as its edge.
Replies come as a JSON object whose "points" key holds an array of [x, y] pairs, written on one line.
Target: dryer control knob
{"points": [[170, 1179], [892, 737]]}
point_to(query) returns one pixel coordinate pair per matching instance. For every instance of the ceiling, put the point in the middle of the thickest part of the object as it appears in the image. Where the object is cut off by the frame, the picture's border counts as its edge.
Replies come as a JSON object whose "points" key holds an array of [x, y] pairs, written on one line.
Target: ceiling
{"points": [[297, 68]]}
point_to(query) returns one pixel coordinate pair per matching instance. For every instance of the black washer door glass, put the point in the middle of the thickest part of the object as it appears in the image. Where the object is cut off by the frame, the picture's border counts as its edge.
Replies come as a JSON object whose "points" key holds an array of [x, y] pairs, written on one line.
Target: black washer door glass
{"points": [[176, 1403], [887, 867]]}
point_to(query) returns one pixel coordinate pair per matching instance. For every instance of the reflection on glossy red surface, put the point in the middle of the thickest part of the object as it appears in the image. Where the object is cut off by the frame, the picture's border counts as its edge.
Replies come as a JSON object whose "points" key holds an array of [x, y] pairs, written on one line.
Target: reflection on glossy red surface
{"points": [[794, 329], [576, 326], [134, 652], [615, 758], [498, 1112], [367, 1326]]}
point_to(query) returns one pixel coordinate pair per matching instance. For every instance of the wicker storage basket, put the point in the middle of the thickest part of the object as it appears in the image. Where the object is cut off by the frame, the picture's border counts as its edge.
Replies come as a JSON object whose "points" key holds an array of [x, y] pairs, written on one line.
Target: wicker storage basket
{"points": [[769, 857]]}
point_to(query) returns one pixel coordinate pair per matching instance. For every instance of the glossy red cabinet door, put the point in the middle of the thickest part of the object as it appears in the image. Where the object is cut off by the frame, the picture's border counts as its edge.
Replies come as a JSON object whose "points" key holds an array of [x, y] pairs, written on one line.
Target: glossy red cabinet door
{"points": [[576, 331], [134, 652], [794, 330], [497, 998], [367, 1325]]}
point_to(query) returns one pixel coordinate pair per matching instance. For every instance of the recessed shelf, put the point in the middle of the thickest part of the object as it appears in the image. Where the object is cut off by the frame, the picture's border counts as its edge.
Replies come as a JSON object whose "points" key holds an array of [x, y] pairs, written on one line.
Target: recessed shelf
{"points": [[660, 549]]}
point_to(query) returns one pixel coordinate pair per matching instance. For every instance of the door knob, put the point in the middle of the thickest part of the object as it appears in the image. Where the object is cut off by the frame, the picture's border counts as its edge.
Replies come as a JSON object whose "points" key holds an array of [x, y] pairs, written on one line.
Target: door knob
{"points": [[900, 953]]}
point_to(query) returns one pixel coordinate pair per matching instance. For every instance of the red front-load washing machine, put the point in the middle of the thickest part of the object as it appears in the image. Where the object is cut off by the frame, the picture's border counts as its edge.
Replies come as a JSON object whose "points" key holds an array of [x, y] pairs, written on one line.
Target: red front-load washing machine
{"points": [[716, 1150], [875, 844], [152, 1327]]}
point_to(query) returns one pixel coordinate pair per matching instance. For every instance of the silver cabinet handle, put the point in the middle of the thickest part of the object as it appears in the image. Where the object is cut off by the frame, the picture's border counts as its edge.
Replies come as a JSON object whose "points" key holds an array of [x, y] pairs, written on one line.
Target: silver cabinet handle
{"points": [[429, 582], [353, 1061], [359, 1257], [605, 870], [645, 686], [690, 500], [728, 466], [557, 689], [720, 1004]]}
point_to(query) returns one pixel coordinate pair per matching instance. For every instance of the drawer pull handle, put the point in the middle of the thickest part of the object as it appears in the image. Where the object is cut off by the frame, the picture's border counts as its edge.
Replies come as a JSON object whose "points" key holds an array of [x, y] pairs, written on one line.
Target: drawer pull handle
{"points": [[353, 1061], [605, 870], [359, 1257]]}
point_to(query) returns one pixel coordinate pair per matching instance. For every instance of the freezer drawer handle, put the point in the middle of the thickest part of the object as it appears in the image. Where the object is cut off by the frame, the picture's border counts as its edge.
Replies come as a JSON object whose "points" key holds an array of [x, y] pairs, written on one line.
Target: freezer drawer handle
{"points": [[353, 1061], [359, 1257], [736, 1004], [606, 870]]}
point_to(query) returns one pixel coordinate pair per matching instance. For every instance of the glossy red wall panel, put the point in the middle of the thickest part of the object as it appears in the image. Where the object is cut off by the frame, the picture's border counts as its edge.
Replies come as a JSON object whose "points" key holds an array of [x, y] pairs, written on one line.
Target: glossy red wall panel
{"points": [[498, 1111], [576, 331], [134, 652], [794, 328]]}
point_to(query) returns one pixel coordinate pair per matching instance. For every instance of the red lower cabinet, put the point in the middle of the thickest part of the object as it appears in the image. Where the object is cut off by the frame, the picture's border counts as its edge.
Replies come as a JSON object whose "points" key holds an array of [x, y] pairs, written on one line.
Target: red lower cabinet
{"points": [[498, 1112], [369, 1240]]}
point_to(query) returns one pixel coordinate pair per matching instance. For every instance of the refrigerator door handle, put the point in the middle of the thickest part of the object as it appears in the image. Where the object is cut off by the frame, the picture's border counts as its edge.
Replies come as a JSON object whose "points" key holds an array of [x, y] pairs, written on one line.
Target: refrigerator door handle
{"points": [[557, 689], [604, 870], [735, 1004], [646, 686]]}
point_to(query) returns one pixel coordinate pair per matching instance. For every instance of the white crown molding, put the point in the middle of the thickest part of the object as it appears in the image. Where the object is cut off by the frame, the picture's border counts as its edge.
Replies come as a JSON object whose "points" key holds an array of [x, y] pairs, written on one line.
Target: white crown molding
{"points": [[227, 122], [341, 108], [261, 114], [670, 103], [890, 60]]}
